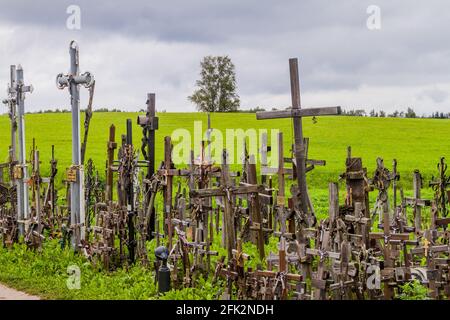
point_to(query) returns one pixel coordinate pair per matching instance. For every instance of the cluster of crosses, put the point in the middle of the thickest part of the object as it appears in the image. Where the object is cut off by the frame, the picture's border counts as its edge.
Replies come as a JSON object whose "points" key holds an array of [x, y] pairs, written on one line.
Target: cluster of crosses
{"points": [[208, 216]]}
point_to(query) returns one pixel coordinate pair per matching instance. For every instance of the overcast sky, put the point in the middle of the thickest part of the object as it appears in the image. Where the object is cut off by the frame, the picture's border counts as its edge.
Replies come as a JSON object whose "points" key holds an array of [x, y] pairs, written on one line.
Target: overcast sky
{"points": [[137, 46]]}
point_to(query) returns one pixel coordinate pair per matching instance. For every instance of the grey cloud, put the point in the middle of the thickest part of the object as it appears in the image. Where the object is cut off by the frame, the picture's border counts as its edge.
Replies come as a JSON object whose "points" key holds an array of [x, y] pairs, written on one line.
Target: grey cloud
{"points": [[162, 42], [436, 95]]}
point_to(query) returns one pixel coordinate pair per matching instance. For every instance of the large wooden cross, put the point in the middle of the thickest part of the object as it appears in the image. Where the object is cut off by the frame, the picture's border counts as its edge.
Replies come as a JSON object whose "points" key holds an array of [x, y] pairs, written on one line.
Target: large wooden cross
{"points": [[296, 113]]}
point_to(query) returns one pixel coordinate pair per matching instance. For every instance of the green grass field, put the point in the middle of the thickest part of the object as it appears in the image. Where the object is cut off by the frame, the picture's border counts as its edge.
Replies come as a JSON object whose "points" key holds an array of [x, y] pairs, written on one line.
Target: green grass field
{"points": [[415, 143]]}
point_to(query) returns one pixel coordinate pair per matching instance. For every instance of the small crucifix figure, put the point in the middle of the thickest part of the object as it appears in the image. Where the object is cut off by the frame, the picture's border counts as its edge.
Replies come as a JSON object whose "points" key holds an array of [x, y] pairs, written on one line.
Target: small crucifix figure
{"points": [[296, 113], [73, 80]]}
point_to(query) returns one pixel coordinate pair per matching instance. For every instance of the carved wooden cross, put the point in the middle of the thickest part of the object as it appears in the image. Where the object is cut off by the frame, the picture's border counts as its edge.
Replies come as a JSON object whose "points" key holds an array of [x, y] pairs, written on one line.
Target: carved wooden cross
{"points": [[282, 276], [381, 181], [389, 240], [227, 191], [431, 251], [324, 242], [296, 113], [111, 146], [440, 185]]}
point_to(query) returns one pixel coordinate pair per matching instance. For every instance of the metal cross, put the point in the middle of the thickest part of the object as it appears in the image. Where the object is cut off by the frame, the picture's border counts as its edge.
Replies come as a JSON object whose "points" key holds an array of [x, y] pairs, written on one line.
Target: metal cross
{"points": [[20, 170], [11, 104], [73, 80]]}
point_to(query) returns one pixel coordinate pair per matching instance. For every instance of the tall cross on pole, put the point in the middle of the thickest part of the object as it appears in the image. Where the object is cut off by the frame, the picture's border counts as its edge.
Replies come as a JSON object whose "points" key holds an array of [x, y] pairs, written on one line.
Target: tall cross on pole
{"points": [[297, 113], [73, 80], [149, 124], [21, 170], [11, 104]]}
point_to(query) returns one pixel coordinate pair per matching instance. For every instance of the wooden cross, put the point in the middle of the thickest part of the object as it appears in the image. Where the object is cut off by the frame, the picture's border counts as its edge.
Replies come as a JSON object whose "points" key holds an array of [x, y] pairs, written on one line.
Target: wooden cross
{"points": [[168, 172], [282, 276], [111, 146], [381, 181], [227, 191], [324, 243], [296, 113], [255, 210], [342, 269], [356, 182], [431, 252], [389, 239], [440, 185], [417, 203]]}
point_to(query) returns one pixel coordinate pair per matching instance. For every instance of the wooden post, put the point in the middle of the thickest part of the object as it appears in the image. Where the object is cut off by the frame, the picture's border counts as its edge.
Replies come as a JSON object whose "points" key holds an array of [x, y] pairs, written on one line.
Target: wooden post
{"points": [[228, 207], [257, 223], [417, 185], [111, 146]]}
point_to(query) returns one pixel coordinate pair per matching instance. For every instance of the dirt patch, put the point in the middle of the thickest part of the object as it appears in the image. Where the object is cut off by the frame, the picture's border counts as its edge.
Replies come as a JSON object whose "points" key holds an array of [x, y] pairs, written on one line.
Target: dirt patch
{"points": [[11, 294]]}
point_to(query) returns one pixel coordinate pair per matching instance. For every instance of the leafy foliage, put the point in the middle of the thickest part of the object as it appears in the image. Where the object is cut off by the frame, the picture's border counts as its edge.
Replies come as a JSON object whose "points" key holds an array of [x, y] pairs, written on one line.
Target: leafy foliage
{"points": [[413, 290], [217, 86]]}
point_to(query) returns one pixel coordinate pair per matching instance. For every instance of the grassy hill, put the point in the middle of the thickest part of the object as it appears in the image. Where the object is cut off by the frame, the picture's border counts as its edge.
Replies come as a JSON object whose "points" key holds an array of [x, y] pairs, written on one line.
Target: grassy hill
{"points": [[415, 143]]}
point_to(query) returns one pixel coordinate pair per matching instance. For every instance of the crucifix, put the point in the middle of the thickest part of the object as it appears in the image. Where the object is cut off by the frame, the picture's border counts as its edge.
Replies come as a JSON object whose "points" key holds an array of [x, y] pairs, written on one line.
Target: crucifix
{"points": [[73, 80], [149, 124], [20, 170], [296, 113]]}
